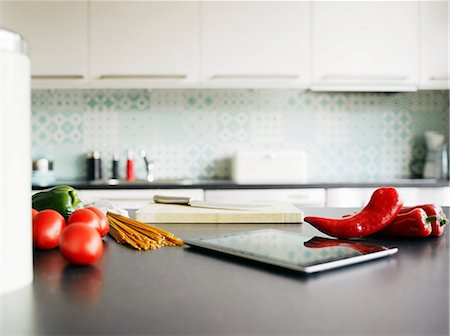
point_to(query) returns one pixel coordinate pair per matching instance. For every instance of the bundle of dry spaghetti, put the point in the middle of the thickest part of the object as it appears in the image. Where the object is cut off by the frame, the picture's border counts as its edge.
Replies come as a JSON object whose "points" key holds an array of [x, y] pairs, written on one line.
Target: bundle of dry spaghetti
{"points": [[139, 235]]}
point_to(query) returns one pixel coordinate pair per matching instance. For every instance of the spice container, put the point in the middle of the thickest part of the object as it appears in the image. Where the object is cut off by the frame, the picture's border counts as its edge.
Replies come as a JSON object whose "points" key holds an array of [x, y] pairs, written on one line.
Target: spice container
{"points": [[115, 167], [43, 173], [94, 166], [130, 166]]}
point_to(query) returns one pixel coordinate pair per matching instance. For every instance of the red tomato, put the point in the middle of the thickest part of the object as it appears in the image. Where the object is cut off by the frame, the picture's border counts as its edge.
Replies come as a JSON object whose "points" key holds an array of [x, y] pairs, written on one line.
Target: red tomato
{"points": [[104, 225], [47, 228], [81, 244], [34, 212], [86, 217]]}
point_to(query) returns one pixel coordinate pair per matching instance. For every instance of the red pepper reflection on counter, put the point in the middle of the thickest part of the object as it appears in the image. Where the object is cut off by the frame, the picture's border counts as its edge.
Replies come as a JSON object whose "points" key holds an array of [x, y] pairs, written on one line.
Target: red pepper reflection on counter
{"points": [[414, 223], [320, 242], [383, 207]]}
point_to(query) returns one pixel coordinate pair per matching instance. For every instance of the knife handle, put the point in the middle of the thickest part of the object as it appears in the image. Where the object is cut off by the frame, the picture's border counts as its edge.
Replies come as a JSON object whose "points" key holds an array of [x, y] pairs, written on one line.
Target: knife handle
{"points": [[171, 199]]}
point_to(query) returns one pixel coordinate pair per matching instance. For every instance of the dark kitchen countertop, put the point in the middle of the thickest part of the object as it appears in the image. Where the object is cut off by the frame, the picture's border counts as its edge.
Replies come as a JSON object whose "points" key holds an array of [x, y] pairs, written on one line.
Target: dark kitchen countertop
{"points": [[227, 184], [179, 290]]}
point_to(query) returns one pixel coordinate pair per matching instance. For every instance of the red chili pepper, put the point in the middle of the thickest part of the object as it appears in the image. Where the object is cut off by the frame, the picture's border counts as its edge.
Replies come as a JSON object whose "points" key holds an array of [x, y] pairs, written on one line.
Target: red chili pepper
{"points": [[383, 207], [320, 242], [432, 210], [414, 223]]}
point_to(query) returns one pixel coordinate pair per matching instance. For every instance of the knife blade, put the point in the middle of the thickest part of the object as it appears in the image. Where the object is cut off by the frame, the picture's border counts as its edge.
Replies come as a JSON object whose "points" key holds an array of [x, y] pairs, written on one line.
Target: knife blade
{"points": [[188, 201]]}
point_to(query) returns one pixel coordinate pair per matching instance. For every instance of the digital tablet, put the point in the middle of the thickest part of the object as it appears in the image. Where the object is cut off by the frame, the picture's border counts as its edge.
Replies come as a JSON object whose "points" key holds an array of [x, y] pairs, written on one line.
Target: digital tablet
{"points": [[293, 250]]}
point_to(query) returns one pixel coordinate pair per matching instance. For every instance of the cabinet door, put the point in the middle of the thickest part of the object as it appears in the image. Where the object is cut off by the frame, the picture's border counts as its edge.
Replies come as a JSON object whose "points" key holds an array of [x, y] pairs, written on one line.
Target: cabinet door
{"points": [[359, 197], [312, 197], [248, 44], [364, 45], [434, 44], [144, 42], [56, 33], [436, 195], [348, 197]]}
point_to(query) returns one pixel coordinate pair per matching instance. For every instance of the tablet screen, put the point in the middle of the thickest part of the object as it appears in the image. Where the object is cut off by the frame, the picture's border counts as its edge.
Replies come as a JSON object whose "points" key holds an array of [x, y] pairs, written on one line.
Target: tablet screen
{"points": [[293, 250]]}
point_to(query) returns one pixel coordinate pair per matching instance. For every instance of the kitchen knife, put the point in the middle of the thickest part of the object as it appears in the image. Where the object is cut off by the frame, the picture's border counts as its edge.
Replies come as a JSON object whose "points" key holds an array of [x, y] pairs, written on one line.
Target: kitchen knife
{"points": [[188, 201]]}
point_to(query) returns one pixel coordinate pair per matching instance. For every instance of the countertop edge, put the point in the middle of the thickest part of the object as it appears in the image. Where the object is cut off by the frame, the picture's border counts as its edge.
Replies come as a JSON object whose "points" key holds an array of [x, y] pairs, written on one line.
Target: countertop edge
{"points": [[223, 185]]}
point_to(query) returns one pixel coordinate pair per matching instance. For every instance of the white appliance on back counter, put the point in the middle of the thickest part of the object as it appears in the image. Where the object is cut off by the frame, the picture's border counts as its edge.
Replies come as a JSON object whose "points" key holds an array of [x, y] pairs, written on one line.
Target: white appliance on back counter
{"points": [[270, 167], [436, 163]]}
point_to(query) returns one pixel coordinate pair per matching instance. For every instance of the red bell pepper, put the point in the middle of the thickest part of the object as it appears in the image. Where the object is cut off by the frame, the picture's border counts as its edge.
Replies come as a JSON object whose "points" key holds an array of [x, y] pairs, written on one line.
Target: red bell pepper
{"points": [[383, 207], [432, 210], [414, 223]]}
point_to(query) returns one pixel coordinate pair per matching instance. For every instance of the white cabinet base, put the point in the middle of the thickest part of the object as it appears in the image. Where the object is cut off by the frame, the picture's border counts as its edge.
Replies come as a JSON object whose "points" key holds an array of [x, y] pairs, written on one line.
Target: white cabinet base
{"points": [[135, 199], [358, 197], [300, 197]]}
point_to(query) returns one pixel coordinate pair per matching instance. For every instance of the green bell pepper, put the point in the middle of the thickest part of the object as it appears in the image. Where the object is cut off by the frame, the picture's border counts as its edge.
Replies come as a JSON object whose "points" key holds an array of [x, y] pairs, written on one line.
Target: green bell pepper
{"points": [[62, 198]]}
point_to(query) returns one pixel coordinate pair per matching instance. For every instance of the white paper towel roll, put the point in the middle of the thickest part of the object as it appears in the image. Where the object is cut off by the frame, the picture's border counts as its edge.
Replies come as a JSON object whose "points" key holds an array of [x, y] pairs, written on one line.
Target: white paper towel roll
{"points": [[16, 266]]}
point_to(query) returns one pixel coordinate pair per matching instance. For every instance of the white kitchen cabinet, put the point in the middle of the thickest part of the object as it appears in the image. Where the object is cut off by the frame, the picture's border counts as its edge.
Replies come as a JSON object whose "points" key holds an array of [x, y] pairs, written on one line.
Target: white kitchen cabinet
{"points": [[322, 45], [137, 198], [136, 43], [364, 45], [434, 44], [56, 33], [255, 44], [311, 197], [359, 197]]}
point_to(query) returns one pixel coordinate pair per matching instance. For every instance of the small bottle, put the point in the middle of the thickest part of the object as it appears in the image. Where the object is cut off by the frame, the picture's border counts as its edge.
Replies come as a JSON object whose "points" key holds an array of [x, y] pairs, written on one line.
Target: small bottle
{"points": [[130, 166], [94, 166], [115, 167]]}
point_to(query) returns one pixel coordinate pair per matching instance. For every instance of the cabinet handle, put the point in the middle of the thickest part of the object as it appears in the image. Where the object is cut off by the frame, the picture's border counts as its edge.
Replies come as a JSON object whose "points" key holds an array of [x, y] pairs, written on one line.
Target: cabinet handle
{"points": [[299, 196], [140, 77], [440, 78], [247, 77], [56, 77], [365, 77]]}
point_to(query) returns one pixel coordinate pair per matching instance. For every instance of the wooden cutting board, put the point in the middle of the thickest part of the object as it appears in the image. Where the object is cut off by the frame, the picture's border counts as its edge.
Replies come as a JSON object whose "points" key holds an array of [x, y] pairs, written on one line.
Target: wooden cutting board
{"points": [[172, 213]]}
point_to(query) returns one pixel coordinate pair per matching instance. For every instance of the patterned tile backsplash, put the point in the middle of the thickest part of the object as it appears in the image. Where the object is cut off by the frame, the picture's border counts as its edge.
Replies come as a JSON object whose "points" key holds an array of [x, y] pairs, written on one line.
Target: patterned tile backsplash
{"points": [[349, 137]]}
